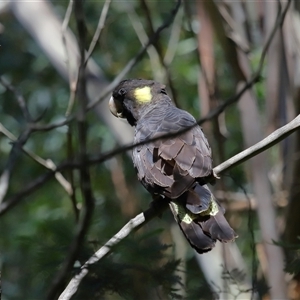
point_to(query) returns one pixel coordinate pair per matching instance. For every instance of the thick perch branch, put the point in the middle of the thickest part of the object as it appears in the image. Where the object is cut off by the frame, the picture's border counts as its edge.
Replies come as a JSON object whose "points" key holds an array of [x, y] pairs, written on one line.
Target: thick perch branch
{"points": [[143, 218], [261, 146]]}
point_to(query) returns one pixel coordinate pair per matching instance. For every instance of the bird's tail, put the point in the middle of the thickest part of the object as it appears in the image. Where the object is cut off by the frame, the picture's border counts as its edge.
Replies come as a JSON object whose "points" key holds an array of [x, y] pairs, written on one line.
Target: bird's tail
{"points": [[201, 219]]}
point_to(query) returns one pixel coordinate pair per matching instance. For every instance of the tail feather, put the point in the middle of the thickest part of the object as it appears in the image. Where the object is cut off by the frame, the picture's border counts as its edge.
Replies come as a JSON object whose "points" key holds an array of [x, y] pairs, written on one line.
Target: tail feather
{"points": [[218, 228], [196, 237], [202, 229], [193, 232]]}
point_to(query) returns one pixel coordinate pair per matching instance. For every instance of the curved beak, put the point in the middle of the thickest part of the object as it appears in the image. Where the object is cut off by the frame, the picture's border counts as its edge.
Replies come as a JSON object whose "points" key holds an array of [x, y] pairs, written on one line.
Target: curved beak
{"points": [[115, 107]]}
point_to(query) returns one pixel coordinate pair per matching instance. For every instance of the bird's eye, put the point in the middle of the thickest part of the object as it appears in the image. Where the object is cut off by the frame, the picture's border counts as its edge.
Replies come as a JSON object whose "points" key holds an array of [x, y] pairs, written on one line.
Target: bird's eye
{"points": [[163, 91], [122, 92]]}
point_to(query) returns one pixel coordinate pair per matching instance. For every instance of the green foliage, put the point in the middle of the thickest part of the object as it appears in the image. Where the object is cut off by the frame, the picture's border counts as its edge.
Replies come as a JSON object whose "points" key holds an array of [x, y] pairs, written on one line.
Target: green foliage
{"points": [[292, 265], [196, 285], [138, 265]]}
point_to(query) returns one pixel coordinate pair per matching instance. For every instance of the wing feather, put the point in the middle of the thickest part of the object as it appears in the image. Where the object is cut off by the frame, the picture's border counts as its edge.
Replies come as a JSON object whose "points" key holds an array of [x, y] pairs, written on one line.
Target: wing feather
{"points": [[170, 152], [186, 157], [171, 165]]}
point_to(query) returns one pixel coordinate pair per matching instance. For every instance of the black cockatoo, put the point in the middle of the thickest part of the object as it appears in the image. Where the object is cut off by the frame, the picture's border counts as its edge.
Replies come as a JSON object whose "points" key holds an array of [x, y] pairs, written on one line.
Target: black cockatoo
{"points": [[172, 167]]}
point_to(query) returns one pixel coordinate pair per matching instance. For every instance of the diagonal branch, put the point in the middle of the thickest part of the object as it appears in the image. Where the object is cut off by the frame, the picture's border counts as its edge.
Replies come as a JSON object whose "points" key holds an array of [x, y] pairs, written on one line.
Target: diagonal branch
{"points": [[157, 71], [158, 49], [11, 162], [143, 218], [47, 163], [30, 189], [98, 30], [73, 74], [133, 225], [20, 99], [261, 146]]}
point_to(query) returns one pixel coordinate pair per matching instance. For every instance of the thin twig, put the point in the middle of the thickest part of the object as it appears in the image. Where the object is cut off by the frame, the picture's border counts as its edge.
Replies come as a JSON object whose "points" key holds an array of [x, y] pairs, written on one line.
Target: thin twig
{"points": [[256, 77], [70, 155], [47, 163], [32, 187], [20, 99], [158, 49], [11, 162], [72, 77], [174, 38], [137, 25], [72, 85], [232, 30], [133, 225], [41, 127], [64, 28], [98, 30]]}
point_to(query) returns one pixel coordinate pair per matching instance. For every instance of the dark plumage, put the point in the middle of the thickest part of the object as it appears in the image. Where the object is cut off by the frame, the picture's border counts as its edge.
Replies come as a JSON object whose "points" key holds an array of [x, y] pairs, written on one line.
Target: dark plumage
{"points": [[174, 167]]}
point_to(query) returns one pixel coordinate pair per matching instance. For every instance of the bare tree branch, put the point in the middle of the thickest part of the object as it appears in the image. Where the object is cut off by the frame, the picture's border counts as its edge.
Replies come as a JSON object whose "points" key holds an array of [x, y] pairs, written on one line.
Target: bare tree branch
{"points": [[157, 46], [263, 145], [174, 38], [157, 71], [47, 163], [133, 225], [20, 99], [160, 206], [73, 74], [5, 206], [232, 29], [11, 161], [85, 180], [73, 80], [98, 30], [70, 155]]}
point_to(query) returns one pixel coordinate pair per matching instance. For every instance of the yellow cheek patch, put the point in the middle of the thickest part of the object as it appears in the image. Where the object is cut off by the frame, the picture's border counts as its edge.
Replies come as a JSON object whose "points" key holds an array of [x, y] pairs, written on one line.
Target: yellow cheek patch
{"points": [[143, 95]]}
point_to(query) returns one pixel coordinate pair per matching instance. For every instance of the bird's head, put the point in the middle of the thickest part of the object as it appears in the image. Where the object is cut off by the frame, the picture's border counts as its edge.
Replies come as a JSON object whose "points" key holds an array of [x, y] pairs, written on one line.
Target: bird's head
{"points": [[133, 97]]}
